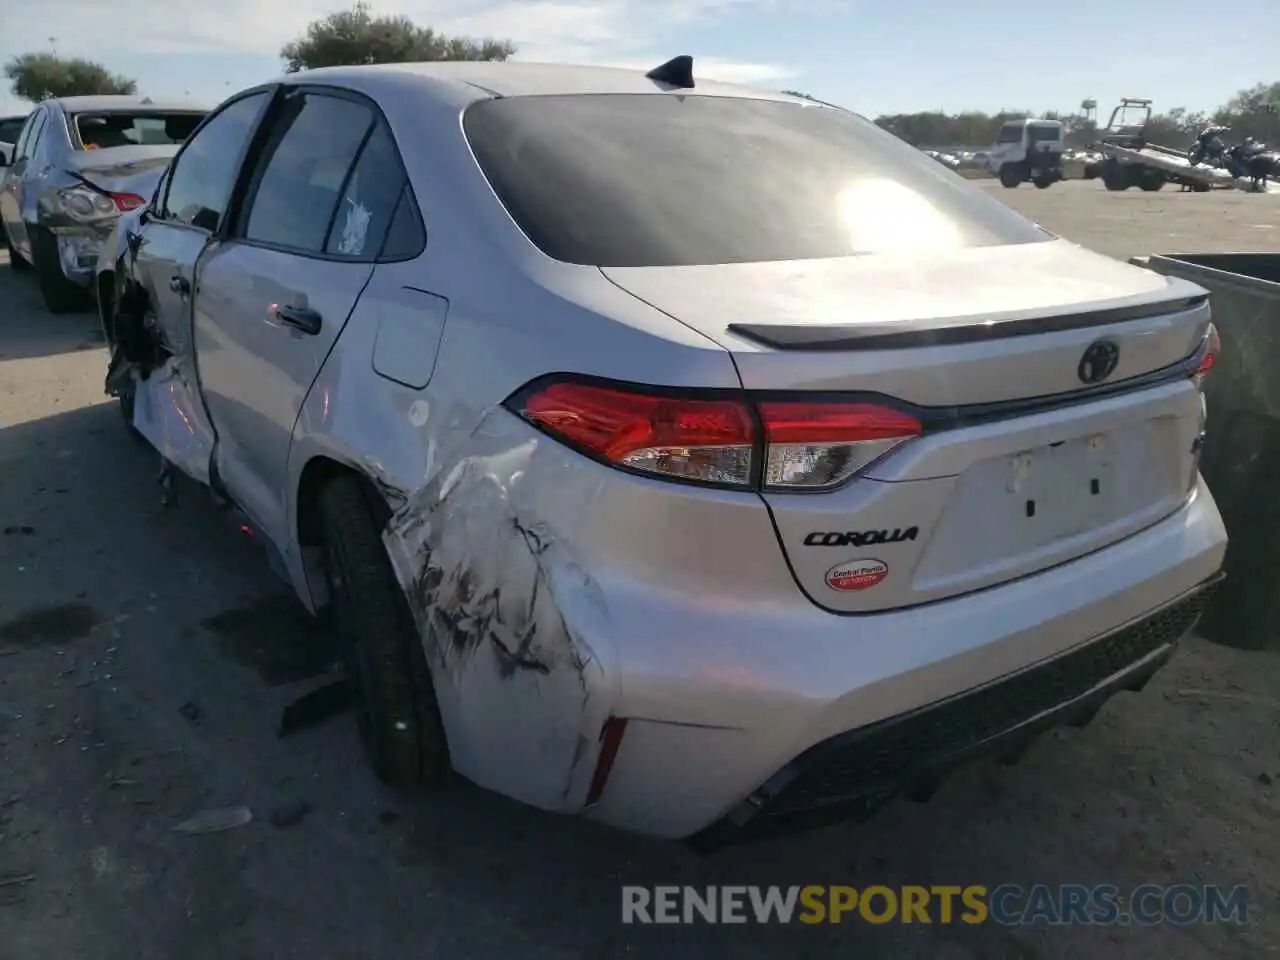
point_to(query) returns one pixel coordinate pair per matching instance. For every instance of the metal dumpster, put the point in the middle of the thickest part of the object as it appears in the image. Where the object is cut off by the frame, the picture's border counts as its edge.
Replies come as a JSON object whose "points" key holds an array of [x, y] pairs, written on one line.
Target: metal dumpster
{"points": [[1241, 457]]}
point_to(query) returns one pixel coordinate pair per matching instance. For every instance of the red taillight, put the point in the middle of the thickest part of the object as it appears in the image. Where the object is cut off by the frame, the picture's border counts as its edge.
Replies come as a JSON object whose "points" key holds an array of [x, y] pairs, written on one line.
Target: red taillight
{"points": [[711, 441], [803, 446], [818, 445], [127, 201], [1209, 351]]}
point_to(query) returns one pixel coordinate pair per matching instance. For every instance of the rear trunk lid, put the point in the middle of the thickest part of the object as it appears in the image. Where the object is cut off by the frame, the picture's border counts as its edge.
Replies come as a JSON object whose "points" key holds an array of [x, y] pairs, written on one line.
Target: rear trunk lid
{"points": [[134, 169], [1022, 465]]}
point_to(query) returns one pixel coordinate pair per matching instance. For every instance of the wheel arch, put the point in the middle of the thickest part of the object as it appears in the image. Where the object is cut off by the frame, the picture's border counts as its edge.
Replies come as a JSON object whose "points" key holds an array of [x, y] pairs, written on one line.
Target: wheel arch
{"points": [[318, 471]]}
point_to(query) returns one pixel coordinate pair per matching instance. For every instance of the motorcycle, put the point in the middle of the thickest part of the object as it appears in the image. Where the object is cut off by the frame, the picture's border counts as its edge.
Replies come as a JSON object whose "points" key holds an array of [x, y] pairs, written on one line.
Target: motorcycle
{"points": [[1253, 160], [1209, 146]]}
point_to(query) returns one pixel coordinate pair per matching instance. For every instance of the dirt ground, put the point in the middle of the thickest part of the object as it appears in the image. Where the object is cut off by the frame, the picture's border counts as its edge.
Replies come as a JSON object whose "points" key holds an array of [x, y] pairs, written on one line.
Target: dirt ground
{"points": [[146, 656]]}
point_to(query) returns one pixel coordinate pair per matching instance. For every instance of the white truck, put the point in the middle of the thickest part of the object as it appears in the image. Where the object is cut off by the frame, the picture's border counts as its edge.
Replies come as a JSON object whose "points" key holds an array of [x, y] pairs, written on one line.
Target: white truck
{"points": [[1027, 149]]}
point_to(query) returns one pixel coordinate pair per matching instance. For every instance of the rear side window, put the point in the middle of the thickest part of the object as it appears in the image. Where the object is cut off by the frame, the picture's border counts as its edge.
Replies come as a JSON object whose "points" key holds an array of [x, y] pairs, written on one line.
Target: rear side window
{"points": [[116, 128], [37, 134], [617, 180], [304, 169], [369, 202]]}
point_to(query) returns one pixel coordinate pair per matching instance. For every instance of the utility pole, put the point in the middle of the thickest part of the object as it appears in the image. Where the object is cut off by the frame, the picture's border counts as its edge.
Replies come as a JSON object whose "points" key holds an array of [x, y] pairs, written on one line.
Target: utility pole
{"points": [[53, 45]]}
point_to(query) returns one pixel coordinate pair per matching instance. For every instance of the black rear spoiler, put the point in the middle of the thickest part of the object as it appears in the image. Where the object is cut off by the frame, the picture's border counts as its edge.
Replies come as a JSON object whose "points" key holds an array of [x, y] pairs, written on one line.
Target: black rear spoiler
{"points": [[944, 331]]}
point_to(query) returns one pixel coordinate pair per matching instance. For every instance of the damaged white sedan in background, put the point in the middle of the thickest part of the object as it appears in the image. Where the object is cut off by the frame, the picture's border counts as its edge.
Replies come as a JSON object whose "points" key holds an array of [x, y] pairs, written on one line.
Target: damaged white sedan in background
{"points": [[78, 163], [701, 459]]}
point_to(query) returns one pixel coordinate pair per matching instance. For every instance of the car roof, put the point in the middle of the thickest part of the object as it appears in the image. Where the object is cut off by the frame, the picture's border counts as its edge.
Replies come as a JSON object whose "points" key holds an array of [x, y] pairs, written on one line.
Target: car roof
{"points": [[107, 103], [483, 79]]}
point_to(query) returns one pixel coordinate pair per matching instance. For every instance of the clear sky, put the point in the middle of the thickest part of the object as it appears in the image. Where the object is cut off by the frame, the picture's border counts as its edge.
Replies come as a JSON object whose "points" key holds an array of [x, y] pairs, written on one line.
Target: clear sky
{"points": [[874, 56]]}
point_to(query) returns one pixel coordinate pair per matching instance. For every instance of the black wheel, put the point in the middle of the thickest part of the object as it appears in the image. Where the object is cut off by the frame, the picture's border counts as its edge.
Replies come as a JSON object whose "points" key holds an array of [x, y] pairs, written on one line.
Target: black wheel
{"points": [[1152, 181], [1010, 175], [60, 294], [1115, 177], [15, 259], [1042, 183], [395, 702]]}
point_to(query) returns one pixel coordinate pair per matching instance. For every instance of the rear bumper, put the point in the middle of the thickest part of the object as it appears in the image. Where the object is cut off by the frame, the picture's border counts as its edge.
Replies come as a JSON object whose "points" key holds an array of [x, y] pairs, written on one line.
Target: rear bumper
{"points": [[78, 255], [848, 776], [744, 722]]}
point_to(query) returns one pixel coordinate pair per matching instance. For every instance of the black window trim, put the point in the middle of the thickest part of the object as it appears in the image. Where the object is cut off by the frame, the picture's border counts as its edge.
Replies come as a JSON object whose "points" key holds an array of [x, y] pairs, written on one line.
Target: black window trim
{"points": [[272, 90], [24, 135], [235, 224], [39, 119]]}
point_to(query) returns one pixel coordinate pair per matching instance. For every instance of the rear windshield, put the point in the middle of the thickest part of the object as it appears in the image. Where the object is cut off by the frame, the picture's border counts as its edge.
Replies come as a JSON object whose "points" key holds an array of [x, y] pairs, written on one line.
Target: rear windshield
{"points": [[100, 131], [618, 180], [1043, 132]]}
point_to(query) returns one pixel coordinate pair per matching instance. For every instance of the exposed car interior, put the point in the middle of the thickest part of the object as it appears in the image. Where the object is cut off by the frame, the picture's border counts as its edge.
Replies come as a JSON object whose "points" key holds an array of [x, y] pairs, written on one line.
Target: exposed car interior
{"points": [[102, 131]]}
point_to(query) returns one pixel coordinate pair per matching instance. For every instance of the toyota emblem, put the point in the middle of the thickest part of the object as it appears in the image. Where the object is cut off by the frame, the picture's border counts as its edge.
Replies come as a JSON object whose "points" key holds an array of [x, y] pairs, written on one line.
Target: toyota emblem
{"points": [[1099, 361]]}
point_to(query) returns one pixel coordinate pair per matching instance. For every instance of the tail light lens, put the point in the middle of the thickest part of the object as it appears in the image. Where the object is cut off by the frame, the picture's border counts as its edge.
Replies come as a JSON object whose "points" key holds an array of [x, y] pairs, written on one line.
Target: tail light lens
{"points": [[85, 205], [819, 445], [725, 442], [1209, 351]]}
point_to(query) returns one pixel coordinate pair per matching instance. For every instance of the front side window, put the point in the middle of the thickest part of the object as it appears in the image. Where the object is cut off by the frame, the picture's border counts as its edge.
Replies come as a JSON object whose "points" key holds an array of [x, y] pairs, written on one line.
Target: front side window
{"points": [[1010, 133], [202, 176], [638, 180], [133, 128], [303, 171], [1045, 133]]}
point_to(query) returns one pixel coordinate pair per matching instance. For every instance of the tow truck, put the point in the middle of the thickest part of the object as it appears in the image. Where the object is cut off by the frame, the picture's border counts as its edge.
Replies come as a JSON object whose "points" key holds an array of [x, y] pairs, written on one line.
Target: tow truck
{"points": [[1129, 160]]}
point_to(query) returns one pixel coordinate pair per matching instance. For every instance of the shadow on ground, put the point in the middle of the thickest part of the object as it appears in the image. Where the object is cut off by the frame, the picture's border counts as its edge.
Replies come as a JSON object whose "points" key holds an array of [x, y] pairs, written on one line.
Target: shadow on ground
{"points": [[174, 655], [27, 330]]}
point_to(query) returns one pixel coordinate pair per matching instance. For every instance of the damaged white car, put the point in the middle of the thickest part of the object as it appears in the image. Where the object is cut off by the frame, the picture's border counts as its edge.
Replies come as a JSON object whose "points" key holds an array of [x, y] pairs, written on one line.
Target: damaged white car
{"points": [[699, 459], [77, 165]]}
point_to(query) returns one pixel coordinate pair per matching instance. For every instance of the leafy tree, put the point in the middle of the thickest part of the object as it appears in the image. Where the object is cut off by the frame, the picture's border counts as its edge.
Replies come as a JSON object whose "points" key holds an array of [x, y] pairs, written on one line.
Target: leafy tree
{"points": [[358, 36], [39, 76]]}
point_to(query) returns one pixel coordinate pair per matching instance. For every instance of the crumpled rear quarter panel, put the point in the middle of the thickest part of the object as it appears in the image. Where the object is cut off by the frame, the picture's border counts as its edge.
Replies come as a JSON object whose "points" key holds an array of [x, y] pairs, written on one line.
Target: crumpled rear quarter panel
{"points": [[509, 616]]}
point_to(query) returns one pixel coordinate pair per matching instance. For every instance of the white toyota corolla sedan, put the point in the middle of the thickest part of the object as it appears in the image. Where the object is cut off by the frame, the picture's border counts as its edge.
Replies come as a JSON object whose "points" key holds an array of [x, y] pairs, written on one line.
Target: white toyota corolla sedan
{"points": [[696, 458]]}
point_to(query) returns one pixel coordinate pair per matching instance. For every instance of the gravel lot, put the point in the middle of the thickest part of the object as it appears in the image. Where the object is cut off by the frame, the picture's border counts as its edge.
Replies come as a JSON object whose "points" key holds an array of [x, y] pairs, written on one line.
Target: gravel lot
{"points": [[146, 656]]}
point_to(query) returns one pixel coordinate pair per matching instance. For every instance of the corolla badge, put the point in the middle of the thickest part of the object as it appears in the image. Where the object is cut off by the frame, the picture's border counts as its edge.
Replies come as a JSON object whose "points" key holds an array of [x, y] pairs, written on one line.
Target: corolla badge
{"points": [[856, 574], [1099, 361]]}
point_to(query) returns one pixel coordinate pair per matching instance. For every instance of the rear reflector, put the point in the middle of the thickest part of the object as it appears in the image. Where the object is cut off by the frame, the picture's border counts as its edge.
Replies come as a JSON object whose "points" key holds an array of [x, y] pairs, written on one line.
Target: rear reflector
{"points": [[1209, 351], [127, 201], [610, 742], [725, 441]]}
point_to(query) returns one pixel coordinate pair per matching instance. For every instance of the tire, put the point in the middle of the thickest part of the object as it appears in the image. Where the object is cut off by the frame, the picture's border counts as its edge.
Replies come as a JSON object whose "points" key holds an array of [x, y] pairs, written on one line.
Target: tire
{"points": [[60, 294], [1115, 177], [395, 702], [1010, 176], [1152, 181], [1042, 184]]}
